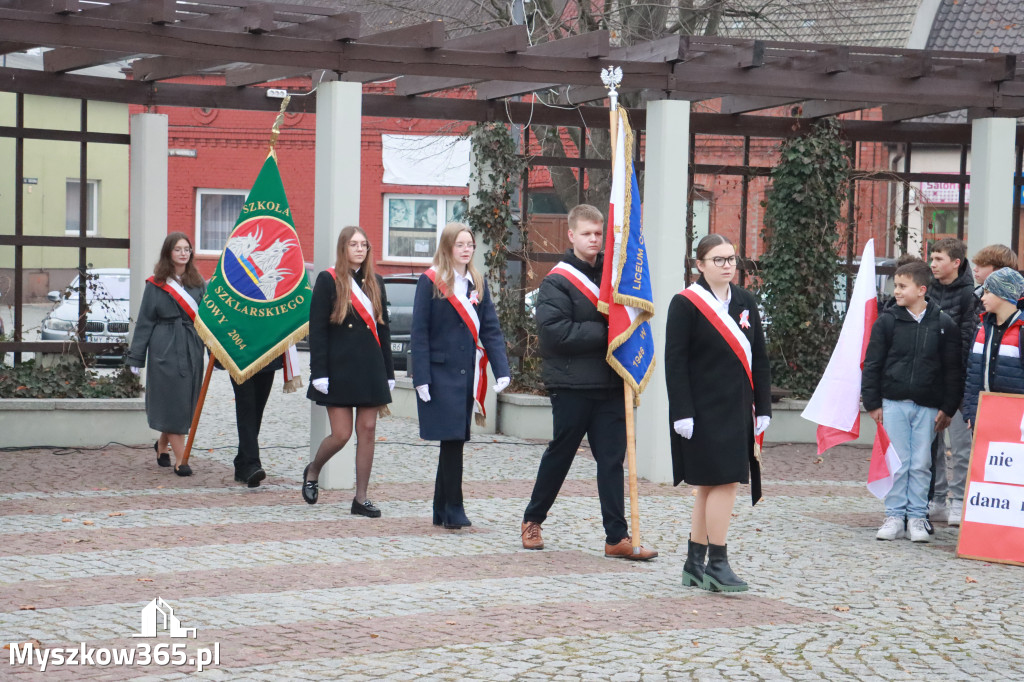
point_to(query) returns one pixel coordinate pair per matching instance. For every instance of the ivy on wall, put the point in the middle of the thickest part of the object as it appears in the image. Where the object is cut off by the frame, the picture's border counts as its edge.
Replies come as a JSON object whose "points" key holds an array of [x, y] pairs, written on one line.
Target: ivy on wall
{"points": [[802, 211], [499, 171]]}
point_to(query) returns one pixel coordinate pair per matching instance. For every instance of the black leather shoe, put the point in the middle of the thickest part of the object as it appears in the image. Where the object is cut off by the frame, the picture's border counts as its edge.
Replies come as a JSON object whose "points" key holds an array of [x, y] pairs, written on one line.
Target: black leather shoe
{"points": [[310, 489], [183, 470], [254, 478], [366, 508], [455, 517], [162, 458]]}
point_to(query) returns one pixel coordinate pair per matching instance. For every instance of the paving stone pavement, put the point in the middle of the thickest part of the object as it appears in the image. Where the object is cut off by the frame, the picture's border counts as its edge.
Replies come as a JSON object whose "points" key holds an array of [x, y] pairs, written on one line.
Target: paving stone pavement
{"points": [[287, 591]]}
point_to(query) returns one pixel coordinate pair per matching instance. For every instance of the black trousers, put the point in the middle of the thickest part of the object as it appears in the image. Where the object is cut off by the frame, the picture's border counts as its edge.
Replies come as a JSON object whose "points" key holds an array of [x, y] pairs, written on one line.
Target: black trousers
{"points": [[250, 400], [448, 482], [601, 416]]}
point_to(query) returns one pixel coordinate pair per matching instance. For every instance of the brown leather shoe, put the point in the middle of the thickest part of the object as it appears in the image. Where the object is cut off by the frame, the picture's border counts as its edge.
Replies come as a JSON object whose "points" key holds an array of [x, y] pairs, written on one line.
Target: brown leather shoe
{"points": [[624, 550], [530, 532]]}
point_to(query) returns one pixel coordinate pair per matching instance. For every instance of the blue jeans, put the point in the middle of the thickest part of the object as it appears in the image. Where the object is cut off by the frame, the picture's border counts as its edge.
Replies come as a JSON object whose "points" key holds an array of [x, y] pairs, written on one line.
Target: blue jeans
{"points": [[910, 427]]}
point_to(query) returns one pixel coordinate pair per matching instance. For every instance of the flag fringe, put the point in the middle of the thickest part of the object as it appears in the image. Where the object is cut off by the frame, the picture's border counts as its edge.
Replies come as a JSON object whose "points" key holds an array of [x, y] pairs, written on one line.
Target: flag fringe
{"points": [[239, 375]]}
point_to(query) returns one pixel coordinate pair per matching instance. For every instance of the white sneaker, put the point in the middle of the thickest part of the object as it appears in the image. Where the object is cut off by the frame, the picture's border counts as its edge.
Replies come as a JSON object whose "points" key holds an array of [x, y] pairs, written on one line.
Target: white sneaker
{"points": [[892, 529], [938, 512], [918, 530], [956, 510]]}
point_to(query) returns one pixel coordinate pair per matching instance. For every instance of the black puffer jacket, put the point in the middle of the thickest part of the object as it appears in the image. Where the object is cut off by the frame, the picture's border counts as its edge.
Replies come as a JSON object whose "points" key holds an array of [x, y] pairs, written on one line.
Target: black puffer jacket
{"points": [[908, 360], [573, 334], [957, 300]]}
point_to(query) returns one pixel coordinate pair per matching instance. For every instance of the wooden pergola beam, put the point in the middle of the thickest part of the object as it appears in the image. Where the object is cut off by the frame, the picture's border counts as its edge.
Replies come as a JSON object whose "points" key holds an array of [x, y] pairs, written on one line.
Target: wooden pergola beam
{"points": [[823, 108], [344, 26], [665, 50], [771, 78], [255, 19], [738, 104], [512, 45]]}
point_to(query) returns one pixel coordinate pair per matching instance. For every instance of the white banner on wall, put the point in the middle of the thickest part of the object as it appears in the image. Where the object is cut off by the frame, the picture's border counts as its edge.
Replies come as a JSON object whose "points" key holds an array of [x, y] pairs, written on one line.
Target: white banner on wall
{"points": [[432, 160]]}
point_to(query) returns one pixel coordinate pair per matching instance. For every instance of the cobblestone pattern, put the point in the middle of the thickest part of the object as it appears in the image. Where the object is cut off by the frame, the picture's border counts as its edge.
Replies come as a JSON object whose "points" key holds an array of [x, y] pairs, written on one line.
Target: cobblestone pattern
{"points": [[297, 592]]}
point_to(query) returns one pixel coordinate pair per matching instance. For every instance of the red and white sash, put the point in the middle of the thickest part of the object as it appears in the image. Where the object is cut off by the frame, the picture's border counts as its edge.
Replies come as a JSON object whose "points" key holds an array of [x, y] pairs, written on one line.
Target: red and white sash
{"points": [[467, 311], [179, 294], [719, 318], [709, 306], [361, 304], [578, 280]]}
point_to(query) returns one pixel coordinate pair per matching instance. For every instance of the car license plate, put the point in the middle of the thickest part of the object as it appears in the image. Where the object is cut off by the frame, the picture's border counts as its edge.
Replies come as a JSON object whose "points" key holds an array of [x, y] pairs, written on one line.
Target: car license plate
{"points": [[99, 338], [397, 347]]}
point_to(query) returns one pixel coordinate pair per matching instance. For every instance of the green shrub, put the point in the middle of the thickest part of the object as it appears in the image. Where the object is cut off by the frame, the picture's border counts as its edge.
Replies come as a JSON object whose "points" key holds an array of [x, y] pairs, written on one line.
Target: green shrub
{"points": [[66, 380]]}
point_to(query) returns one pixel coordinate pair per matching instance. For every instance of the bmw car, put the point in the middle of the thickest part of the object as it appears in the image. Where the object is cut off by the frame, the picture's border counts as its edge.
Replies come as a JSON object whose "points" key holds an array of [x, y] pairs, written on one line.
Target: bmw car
{"points": [[107, 317]]}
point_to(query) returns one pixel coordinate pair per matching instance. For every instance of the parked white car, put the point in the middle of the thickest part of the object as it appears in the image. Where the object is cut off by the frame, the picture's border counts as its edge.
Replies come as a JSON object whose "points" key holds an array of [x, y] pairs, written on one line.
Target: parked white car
{"points": [[107, 319]]}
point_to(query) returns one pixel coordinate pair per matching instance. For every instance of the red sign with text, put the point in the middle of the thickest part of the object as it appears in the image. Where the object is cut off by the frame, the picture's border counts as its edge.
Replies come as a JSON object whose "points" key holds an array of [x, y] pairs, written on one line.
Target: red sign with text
{"points": [[992, 528]]}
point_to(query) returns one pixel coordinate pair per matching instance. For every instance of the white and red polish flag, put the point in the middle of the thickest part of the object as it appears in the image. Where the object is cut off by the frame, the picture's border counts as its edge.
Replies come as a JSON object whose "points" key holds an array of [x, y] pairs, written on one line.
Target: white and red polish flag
{"points": [[884, 464], [835, 405]]}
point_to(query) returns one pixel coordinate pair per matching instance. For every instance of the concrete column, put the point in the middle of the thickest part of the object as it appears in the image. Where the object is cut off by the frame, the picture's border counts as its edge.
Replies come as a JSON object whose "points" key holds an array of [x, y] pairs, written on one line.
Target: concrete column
{"points": [[147, 211], [665, 182], [339, 127], [992, 167]]}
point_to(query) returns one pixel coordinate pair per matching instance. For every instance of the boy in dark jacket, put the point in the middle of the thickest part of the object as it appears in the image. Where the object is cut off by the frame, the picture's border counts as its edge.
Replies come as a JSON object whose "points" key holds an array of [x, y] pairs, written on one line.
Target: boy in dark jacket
{"points": [[586, 393], [952, 290], [912, 382]]}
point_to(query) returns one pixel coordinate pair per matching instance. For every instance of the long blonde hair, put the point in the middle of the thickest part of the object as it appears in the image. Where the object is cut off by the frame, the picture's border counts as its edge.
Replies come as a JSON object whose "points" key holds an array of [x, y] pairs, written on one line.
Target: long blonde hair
{"points": [[342, 282], [444, 261]]}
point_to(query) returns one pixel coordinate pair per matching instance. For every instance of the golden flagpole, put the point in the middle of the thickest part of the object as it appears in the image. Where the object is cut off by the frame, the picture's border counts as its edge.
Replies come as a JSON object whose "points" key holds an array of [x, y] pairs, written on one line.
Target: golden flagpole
{"points": [[611, 77]]}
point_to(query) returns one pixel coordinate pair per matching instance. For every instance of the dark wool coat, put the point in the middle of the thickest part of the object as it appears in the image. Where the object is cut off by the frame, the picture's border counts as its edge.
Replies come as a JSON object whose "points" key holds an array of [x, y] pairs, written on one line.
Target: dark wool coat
{"points": [[573, 334], [707, 382], [442, 357], [174, 371], [346, 353]]}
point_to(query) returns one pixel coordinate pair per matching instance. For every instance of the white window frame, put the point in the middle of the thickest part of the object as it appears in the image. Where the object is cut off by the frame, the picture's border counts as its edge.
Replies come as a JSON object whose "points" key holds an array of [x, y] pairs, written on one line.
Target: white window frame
{"points": [[209, 191], [441, 211], [93, 188]]}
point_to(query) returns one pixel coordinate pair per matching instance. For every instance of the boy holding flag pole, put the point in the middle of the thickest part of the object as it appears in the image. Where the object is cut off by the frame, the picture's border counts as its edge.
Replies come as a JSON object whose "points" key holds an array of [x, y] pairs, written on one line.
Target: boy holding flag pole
{"points": [[592, 320], [257, 302]]}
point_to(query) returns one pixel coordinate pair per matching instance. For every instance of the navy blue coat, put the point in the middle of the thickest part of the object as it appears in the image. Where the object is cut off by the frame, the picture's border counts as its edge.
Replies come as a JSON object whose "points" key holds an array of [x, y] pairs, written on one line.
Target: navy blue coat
{"points": [[442, 357]]}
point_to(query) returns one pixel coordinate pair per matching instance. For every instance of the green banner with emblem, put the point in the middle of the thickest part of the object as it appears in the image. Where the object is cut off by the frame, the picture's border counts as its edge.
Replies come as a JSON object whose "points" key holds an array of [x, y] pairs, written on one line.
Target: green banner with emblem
{"points": [[257, 303]]}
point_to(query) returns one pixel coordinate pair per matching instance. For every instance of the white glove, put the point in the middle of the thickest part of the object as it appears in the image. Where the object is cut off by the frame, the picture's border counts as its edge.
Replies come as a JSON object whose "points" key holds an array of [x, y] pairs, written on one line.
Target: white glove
{"points": [[321, 384], [134, 370], [760, 424], [423, 392], [684, 427], [502, 384], [391, 384]]}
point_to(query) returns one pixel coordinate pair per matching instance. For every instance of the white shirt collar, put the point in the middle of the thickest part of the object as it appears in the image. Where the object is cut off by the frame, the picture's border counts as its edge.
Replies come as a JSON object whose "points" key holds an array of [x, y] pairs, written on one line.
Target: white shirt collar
{"points": [[462, 284]]}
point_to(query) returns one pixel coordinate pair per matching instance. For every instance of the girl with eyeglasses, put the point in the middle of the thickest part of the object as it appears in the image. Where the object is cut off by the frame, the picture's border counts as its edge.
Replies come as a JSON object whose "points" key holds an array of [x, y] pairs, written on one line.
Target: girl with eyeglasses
{"points": [[719, 393], [350, 361], [455, 333], [166, 344]]}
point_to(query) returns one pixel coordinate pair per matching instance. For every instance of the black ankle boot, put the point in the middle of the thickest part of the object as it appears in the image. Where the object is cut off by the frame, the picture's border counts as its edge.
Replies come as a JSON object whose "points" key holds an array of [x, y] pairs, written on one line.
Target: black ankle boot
{"points": [[455, 516], [693, 569], [718, 577]]}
